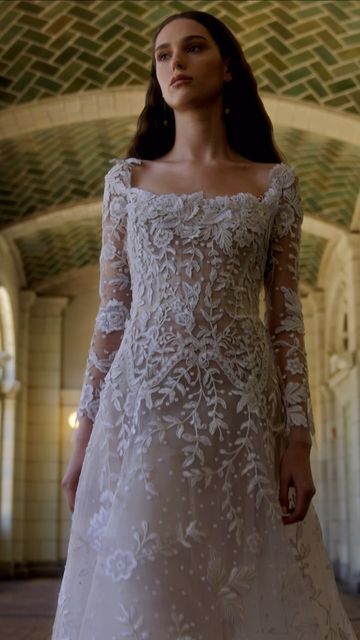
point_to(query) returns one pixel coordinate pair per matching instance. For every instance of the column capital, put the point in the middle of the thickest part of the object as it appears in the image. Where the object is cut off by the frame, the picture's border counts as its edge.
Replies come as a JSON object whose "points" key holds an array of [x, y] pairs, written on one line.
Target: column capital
{"points": [[51, 306]]}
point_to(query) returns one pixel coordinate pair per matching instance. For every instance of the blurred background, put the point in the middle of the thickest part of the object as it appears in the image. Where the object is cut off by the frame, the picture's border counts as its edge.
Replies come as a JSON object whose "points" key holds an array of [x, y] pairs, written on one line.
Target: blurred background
{"points": [[72, 83]]}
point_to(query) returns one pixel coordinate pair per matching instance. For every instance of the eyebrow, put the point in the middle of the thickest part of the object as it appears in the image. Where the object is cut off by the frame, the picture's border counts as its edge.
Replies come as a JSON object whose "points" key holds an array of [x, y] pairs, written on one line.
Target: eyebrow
{"points": [[185, 39]]}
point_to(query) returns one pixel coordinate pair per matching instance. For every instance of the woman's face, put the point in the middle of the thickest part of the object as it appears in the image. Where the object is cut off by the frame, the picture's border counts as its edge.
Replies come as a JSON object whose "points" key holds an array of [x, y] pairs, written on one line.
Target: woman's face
{"points": [[185, 46]]}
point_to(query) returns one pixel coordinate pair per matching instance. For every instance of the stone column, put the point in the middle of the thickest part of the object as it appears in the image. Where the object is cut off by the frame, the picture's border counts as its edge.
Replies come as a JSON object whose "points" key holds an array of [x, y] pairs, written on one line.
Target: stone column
{"points": [[44, 428], [8, 392], [353, 279], [26, 301], [330, 486], [317, 299]]}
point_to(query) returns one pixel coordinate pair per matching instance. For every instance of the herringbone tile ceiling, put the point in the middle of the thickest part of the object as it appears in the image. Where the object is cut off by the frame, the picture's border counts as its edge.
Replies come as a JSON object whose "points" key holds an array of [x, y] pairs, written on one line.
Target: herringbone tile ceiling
{"points": [[305, 50]]}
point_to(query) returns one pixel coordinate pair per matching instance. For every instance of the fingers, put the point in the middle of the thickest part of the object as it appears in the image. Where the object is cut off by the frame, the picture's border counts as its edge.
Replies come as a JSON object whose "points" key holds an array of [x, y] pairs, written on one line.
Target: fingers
{"points": [[304, 496], [284, 493]]}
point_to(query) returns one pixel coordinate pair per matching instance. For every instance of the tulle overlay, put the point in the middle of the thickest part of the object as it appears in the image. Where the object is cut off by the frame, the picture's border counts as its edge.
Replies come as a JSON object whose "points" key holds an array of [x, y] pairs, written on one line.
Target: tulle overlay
{"points": [[177, 531]]}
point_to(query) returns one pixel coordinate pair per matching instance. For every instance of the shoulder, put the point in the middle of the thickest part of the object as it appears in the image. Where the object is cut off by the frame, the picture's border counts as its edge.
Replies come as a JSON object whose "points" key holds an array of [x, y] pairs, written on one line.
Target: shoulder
{"points": [[288, 174], [284, 178], [119, 174]]}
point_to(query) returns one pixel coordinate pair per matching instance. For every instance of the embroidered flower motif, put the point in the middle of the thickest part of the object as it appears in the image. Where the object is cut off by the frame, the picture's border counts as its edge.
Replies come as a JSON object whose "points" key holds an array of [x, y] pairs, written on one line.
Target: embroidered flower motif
{"points": [[99, 520], [162, 237], [253, 541], [120, 565], [112, 316]]}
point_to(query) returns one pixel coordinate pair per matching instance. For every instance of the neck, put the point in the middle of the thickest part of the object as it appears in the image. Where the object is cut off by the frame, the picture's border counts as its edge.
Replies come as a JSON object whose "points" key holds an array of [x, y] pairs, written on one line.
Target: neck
{"points": [[200, 137]]}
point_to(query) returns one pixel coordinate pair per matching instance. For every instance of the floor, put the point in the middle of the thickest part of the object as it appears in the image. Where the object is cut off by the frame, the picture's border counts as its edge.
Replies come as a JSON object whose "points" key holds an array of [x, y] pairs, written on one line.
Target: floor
{"points": [[27, 608]]}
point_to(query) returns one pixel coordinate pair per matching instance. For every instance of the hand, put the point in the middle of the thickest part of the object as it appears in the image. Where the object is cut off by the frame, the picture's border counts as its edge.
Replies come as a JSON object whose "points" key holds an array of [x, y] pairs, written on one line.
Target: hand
{"points": [[71, 478], [295, 471]]}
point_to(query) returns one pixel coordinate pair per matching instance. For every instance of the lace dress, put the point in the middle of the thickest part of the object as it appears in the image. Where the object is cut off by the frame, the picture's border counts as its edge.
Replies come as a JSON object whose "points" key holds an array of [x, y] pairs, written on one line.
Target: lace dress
{"points": [[177, 531]]}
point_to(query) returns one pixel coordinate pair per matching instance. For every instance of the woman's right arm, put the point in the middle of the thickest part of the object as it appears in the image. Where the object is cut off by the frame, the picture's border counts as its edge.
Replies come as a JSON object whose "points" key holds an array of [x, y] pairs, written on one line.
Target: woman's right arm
{"points": [[114, 309]]}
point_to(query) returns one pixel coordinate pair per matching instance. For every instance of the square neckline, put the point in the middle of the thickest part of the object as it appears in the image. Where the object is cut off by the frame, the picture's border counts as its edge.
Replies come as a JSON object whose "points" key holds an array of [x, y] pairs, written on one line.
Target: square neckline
{"points": [[200, 193]]}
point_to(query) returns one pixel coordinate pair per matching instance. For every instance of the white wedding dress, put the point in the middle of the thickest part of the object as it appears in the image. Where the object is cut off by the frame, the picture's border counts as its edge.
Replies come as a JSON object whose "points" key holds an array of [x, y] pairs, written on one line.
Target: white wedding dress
{"points": [[177, 531]]}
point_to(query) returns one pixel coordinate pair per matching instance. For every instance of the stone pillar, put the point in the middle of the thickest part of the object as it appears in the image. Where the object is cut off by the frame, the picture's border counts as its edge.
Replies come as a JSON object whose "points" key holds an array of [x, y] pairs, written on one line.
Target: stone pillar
{"points": [[8, 392], [319, 461], [353, 279], [26, 301], [44, 428], [330, 487]]}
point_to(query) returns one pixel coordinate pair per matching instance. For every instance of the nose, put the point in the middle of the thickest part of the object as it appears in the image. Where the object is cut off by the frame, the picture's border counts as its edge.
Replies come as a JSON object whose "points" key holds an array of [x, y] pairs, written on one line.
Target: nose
{"points": [[177, 63]]}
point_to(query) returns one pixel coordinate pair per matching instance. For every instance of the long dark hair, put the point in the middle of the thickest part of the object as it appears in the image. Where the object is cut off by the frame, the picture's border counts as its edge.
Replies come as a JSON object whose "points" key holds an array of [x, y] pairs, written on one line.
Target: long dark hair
{"points": [[248, 127]]}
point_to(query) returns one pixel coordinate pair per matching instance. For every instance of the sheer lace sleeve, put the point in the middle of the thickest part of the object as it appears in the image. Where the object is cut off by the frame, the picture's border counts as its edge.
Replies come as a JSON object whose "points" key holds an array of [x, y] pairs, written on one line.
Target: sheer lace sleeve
{"points": [[115, 301], [283, 310]]}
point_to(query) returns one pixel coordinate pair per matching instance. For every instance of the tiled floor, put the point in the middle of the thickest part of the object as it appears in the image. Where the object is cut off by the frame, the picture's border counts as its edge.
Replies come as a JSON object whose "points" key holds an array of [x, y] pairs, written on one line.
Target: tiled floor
{"points": [[27, 608]]}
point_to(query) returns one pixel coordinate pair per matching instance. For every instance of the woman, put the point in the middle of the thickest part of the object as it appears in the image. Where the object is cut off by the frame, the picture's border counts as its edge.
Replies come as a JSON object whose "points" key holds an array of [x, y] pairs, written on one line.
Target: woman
{"points": [[193, 516]]}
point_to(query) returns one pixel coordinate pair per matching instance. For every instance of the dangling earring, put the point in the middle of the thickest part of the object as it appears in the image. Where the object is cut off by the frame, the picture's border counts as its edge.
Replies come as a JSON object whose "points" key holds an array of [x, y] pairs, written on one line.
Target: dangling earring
{"points": [[227, 110], [165, 121]]}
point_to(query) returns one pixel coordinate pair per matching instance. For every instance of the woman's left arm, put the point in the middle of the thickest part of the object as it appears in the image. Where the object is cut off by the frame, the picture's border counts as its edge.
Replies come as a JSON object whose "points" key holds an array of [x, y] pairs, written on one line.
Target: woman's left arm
{"points": [[285, 326]]}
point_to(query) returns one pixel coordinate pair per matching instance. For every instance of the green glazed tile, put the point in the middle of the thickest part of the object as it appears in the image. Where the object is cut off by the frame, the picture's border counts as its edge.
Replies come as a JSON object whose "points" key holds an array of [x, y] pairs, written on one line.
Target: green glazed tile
{"points": [[30, 7], [114, 31], [282, 31], [84, 28], [95, 76], [296, 90], [35, 50], [46, 83], [66, 55], [133, 23], [89, 59], [70, 71], [298, 74], [276, 43], [32, 21], [83, 42], [36, 36], [11, 34], [23, 81], [342, 85], [115, 64], [79, 11], [325, 54], [14, 50], [44, 67], [109, 18], [121, 78], [336, 10], [317, 87], [274, 78]]}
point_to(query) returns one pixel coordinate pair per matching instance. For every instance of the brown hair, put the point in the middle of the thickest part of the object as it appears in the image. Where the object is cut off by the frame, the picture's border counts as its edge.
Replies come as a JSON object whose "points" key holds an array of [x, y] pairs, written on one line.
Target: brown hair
{"points": [[248, 127]]}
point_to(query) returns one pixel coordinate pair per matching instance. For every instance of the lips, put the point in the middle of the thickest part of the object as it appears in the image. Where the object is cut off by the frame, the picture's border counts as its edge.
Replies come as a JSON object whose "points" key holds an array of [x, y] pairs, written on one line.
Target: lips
{"points": [[180, 77]]}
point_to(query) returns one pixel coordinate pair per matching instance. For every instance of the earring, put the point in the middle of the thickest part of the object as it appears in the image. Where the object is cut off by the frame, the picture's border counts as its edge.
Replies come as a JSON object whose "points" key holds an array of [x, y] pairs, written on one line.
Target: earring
{"points": [[227, 110], [165, 121]]}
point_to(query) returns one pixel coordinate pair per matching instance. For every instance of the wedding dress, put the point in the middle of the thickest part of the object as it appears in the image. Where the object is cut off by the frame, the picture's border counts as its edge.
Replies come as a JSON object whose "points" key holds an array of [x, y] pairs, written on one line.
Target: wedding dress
{"points": [[177, 531]]}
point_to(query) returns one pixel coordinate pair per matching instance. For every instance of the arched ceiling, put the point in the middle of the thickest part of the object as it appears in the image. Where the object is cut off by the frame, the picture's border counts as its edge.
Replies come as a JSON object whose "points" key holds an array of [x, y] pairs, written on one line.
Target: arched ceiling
{"points": [[304, 54]]}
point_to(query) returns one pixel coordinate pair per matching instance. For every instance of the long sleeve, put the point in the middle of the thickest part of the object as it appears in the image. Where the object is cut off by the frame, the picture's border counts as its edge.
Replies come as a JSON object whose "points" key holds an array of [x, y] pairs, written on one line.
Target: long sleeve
{"points": [[115, 301], [283, 310]]}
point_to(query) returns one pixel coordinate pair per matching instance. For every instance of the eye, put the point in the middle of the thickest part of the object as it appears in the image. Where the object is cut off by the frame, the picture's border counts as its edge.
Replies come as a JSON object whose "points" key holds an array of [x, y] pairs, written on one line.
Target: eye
{"points": [[197, 46], [160, 57]]}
